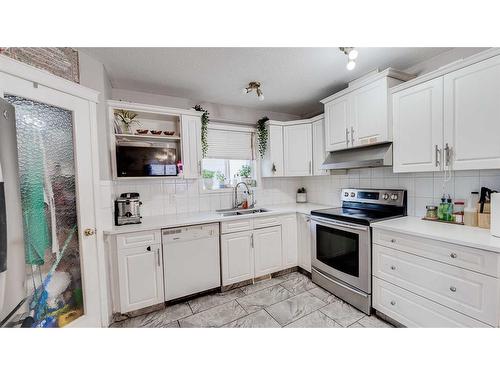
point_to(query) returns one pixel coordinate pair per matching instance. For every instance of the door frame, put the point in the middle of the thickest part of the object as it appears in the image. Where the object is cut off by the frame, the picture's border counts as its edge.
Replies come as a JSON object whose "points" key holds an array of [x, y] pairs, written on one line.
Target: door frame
{"points": [[99, 301]]}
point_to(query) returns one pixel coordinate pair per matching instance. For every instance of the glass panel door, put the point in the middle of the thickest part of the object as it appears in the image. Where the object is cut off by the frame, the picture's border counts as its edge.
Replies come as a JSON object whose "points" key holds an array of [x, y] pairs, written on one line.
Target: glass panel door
{"points": [[338, 249], [47, 182]]}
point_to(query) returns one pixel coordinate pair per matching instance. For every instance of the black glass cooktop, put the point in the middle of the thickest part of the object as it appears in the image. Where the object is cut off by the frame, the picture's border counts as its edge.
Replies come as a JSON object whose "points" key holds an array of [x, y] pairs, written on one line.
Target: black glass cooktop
{"points": [[354, 215]]}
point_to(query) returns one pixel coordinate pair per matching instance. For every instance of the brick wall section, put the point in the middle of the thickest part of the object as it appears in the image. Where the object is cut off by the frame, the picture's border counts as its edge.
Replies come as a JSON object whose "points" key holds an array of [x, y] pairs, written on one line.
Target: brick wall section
{"points": [[60, 61]]}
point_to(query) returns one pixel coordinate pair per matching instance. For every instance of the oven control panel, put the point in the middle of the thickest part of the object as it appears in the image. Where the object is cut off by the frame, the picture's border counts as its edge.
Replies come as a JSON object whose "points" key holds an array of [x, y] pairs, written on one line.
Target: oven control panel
{"points": [[376, 196]]}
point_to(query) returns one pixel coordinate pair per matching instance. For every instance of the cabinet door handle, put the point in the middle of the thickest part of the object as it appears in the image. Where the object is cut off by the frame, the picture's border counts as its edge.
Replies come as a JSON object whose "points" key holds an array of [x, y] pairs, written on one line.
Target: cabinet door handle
{"points": [[437, 152], [148, 248], [393, 303], [453, 255], [393, 268], [251, 240], [352, 136], [199, 167], [347, 137], [447, 154], [393, 240], [453, 289], [310, 167], [158, 256]]}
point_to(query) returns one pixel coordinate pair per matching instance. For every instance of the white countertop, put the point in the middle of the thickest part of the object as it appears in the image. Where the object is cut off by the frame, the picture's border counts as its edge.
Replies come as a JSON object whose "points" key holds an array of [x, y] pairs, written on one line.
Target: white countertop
{"points": [[458, 234], [194, 218]]}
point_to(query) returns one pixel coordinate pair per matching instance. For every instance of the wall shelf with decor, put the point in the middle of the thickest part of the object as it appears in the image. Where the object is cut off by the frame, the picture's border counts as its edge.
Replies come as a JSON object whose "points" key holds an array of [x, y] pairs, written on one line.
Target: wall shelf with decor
{"points": [[147, 141]]}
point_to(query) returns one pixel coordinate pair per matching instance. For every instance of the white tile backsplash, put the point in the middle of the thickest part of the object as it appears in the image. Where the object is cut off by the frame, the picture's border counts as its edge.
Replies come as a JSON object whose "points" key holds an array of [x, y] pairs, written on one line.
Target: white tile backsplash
{"points": [[182, 196]]}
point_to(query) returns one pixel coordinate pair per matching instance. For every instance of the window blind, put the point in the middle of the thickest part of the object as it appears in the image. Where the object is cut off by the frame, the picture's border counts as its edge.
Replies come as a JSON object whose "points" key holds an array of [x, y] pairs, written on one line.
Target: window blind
{"points": [[229, 144]]}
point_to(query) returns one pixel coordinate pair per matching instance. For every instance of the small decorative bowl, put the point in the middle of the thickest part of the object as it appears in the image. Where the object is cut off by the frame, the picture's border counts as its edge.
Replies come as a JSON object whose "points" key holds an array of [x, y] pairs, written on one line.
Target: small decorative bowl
{"points": [[142, 131], [156, 132], [169, 133]]}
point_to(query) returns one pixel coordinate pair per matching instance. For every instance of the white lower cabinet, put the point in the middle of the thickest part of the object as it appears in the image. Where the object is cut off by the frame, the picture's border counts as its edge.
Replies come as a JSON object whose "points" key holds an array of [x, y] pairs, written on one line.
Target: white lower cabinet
{"points": [[289, 240], [140, 277], [237, 257], [304, 241], [422, 282], [267, 249]]}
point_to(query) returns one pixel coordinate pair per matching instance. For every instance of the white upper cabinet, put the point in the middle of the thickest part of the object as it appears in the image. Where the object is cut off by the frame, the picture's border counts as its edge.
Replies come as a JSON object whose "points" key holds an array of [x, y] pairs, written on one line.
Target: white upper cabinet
{"points": [[337, 124], [191, 146], [472, 115], [369, 109], [298, 150], [272, 163], [318, 145], [449, 119], [359, 115], [418, 127]]}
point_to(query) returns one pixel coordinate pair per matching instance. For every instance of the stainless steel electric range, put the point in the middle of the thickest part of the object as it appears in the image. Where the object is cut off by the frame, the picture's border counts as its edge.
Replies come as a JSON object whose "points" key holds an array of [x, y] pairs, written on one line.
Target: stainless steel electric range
{"points": [[342, 242]]}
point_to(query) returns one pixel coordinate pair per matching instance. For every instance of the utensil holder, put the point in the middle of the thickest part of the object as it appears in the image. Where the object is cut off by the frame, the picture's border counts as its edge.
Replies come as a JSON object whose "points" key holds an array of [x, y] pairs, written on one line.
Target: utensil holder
{"points": [[484, 220]]}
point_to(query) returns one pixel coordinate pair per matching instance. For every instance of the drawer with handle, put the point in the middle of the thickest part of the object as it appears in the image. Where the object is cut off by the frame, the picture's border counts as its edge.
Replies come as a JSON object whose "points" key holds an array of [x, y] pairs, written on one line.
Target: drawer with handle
{"points": [[267, 221], [468, 292], [130, 240], [412, 310], [469, 258], [231, 226]]}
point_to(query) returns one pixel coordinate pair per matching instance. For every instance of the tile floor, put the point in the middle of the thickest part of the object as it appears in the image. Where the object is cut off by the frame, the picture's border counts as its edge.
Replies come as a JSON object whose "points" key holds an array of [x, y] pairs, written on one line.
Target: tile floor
{"points": [[290, 300]]}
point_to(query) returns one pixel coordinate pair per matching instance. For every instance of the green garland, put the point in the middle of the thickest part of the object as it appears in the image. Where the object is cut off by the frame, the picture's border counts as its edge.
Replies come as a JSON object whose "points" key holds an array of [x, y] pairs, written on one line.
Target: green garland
{"points": [[204, 129], [262, 135]]}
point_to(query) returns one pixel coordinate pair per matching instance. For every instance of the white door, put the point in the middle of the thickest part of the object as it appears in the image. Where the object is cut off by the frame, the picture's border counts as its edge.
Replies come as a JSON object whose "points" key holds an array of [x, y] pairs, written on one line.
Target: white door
{"points": [[472, 115], [337, 123], [268, 250], [368, 120], [237, 257], [304, 242], [191, 146], [418, 127], [318, 146], [289, 240], [297, 141], [57, 150], [272, 164], [140, 276]]}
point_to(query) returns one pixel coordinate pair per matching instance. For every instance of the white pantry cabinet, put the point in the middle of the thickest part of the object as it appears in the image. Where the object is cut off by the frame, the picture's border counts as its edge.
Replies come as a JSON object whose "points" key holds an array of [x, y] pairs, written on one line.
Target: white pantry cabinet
{"points": [[191, 146], [359, 115], [289, 240], [304, 241], [267, 250], [448, 119], [297, 157], [418, 127], [318, 144], [140, 277], [272, 163], [237, 257]]}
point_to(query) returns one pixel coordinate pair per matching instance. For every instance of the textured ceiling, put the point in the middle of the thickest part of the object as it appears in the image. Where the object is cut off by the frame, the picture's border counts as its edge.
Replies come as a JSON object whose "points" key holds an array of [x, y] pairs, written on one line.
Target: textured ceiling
{"points": [[293, 79]]}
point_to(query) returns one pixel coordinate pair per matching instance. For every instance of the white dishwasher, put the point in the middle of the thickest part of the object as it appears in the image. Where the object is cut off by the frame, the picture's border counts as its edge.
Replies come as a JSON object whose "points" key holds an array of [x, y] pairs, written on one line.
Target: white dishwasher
{"points": [[191, 260]]}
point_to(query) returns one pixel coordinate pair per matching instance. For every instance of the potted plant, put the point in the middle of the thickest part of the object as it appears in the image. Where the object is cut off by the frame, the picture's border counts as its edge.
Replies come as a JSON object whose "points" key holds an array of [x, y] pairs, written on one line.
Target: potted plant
{"points": [[208, 179], [125, 119], [219, 176], [302, 195], [245, 174]]}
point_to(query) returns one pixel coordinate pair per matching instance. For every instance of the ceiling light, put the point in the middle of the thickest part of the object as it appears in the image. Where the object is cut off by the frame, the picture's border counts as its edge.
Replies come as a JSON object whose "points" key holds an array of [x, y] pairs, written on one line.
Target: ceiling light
{"points": [[254, 86], [352, 55]]}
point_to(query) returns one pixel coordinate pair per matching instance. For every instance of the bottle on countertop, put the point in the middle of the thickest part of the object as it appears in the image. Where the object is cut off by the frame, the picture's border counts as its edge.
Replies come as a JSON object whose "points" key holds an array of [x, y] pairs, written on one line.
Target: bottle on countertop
{"points": [[442, 209], [470, 211], [449, 209]]}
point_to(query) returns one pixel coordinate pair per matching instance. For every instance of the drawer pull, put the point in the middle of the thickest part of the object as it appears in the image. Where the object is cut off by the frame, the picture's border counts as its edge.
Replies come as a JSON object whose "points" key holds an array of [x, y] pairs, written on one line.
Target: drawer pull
{"points": [[393, 303], [453, 255], [148, 248], [393, 240], [393, 268], [453, 289]]}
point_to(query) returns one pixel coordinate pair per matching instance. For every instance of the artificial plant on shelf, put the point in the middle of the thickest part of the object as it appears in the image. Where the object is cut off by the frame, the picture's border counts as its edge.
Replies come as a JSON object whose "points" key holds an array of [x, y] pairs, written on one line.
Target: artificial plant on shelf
{"points": [[205, 119], [125, 119], [262, 135]]}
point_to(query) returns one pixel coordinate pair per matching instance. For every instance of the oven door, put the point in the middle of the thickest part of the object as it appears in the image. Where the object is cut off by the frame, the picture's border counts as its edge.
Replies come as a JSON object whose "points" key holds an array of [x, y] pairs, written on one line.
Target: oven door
{"points": [[342, 250]]}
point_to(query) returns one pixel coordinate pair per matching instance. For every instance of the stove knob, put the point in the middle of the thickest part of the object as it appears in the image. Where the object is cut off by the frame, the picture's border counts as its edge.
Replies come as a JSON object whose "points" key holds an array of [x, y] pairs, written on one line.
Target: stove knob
{"points": [[385, 196], [394, 197], [346, 194], [353, 195]]}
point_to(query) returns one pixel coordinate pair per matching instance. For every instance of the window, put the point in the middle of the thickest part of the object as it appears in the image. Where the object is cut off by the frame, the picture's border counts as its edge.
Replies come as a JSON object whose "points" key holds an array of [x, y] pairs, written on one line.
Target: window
{"points": [[230, 157]]}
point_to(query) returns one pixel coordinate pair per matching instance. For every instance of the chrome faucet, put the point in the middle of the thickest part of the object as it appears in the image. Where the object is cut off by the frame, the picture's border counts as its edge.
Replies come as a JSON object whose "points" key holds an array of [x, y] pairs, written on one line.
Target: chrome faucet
{"points": [[236, 204]]}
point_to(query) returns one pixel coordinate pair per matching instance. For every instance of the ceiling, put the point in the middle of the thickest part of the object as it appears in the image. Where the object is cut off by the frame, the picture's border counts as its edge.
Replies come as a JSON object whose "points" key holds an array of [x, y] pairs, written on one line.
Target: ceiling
{"points": [[293, 79]]}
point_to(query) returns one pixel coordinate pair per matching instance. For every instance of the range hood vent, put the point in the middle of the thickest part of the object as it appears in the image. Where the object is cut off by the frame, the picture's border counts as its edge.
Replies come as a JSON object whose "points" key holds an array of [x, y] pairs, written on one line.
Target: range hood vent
{"points": [[379, 155]]}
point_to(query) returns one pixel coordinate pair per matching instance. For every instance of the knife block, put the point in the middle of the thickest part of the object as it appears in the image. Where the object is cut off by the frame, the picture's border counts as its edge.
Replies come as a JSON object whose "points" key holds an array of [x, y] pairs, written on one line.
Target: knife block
{"points": [[484, 220]]}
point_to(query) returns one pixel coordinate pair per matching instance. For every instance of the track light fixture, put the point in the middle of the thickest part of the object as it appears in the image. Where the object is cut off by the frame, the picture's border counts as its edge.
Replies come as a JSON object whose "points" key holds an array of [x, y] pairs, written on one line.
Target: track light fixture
{"points": [[254, 85], [352, 55]]}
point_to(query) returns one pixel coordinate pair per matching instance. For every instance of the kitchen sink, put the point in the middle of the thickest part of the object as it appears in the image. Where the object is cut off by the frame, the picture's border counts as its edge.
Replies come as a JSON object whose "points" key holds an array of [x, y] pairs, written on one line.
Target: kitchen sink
{"points": [[248, 211]]}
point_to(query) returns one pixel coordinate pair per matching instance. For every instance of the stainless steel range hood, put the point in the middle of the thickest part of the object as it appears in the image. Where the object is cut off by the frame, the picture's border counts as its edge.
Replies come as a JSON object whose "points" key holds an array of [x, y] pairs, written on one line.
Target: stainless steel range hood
{"points": [[379, 155]]}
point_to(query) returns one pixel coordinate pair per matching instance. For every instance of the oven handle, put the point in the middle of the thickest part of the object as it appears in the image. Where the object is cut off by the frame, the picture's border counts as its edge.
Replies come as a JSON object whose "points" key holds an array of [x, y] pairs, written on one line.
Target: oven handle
{"points": [[338, 224], [341, 284]]}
